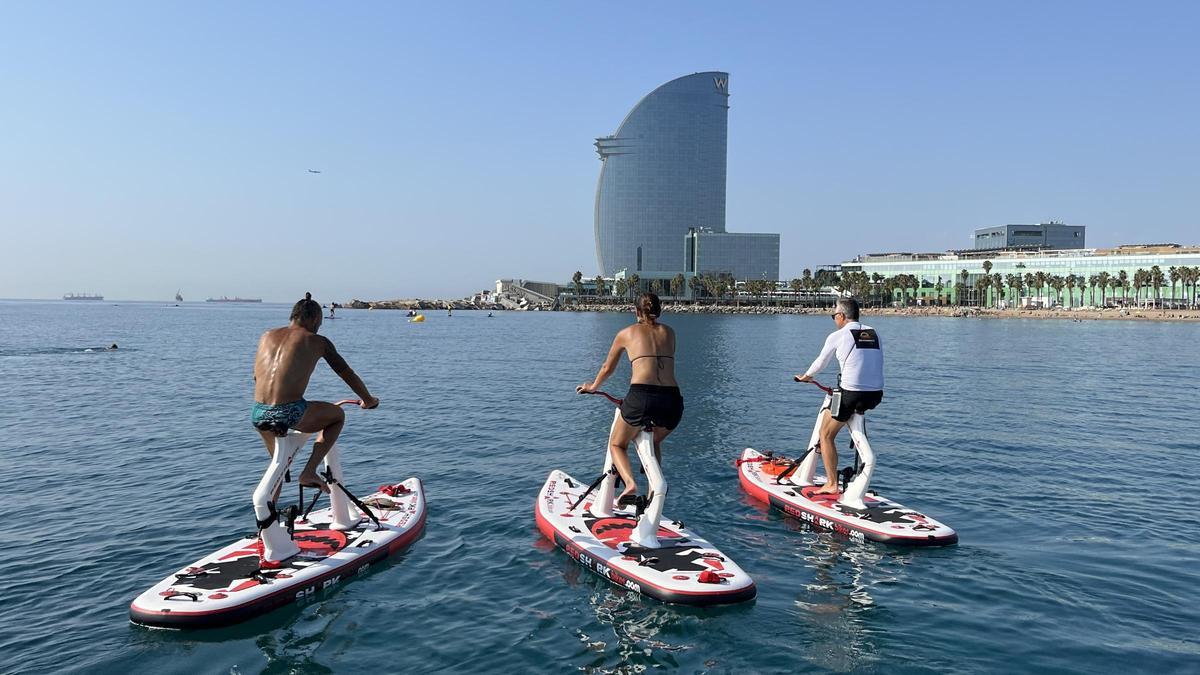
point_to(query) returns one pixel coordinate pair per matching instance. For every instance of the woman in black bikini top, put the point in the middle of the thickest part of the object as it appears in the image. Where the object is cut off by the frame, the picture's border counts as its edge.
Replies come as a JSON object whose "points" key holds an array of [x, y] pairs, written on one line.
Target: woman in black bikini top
{"points": [[653, 401]]}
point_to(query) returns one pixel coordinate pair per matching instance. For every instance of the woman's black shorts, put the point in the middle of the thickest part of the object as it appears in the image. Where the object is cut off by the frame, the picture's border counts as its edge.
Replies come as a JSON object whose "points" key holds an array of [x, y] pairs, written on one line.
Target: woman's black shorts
{"points": [[857, 402], [652, 405]]}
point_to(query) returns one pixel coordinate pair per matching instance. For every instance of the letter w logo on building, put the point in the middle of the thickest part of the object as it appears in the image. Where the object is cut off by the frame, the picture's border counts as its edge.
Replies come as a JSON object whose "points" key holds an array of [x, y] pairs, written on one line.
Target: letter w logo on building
{"points": [[722, 84]]}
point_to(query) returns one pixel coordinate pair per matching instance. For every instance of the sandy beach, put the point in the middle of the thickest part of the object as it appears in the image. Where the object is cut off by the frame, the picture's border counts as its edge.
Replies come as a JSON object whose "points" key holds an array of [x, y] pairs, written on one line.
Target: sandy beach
{"points": [[1076, 314]]}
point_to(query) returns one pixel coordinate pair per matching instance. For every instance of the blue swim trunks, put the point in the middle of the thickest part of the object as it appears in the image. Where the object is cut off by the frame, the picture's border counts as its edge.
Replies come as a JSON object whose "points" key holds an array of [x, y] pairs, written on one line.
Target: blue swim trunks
{"points": [[277, 418]]}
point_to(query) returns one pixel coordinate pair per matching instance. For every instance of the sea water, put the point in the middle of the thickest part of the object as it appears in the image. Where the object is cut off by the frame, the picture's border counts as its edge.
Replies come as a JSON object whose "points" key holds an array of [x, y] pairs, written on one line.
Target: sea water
{"points": [[1063, 453]]}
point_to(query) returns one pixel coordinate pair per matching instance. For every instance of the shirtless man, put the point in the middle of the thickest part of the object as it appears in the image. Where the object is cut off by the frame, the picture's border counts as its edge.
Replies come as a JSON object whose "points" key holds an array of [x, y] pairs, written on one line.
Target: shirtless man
{"points": [[653, 399], [284, 363]]}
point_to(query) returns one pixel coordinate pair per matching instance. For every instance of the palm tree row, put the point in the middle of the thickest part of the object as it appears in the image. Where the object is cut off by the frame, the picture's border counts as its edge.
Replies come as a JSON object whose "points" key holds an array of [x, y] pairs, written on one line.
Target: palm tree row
{"points": [[1143, 285], [876, 289]]}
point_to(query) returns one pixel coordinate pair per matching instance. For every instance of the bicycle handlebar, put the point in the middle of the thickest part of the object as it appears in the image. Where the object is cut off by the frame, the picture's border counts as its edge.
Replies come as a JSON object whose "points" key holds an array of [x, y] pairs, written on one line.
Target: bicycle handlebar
{"points": [[615, 401], [827, 390]]}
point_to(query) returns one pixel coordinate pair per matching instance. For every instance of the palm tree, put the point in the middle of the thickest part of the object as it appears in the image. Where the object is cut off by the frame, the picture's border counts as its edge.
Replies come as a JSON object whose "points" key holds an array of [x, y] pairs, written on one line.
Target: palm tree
{"points": [[1102, 281], [1193, 274], [656, 286], [1124, 277], [1173, 275], [998, 282], [987, 271], [676, 285], [1185, 278], [635, 283], [577, 281], [1018, 283], [981, 286], [622, 288], [696, 284], [843, 283], [1071, 281], [796, 286], [1114, 283], [715, 287], [600, 288], [1156, 280], [1057, 283], [1039, 278], [939, 287], [1030, 280], [962, 287], [1141, 278], [710, 286], [1092, 281], [726, 283]]}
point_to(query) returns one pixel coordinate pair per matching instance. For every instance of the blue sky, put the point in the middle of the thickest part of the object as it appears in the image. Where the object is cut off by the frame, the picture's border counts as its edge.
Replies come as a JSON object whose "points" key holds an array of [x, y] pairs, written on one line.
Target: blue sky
{"points": [[153, 146]]}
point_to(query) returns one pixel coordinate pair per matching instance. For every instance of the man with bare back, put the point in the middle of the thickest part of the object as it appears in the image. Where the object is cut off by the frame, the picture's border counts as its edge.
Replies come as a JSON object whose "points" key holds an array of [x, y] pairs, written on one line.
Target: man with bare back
{"points": [[285, 361]]}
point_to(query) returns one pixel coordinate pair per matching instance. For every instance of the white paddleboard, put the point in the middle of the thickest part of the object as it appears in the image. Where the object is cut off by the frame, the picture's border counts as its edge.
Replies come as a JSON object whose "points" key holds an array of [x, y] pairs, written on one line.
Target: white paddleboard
{"points": [[231, 585], [883, 520], [685, 569]]}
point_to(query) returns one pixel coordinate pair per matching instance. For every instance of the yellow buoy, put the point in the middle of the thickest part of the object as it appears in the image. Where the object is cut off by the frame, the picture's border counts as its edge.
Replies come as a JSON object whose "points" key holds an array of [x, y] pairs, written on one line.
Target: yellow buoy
{"points": [[418, 318]]}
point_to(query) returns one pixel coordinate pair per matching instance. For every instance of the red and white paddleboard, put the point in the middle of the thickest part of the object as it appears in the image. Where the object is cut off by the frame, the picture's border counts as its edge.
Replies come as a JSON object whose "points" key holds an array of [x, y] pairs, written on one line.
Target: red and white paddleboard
{"points": [[883, 520], [230, 585], [685, 569]]}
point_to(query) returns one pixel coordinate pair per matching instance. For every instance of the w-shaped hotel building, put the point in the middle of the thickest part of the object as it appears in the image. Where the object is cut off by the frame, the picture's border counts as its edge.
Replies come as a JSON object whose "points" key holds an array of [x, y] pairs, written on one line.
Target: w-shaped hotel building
{"points": [[660, 199]]}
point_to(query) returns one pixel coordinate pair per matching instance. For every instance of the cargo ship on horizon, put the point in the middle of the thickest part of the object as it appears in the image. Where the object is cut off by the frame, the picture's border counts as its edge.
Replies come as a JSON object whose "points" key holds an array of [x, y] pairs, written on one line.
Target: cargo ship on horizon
{"points": [[233, 299], [83, 296]]}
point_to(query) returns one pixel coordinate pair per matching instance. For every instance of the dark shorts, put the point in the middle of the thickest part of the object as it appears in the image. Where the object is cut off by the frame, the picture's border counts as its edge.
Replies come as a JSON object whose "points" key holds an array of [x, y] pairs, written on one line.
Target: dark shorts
{"points": [[857, 402], [652, 405], [277, 419]]}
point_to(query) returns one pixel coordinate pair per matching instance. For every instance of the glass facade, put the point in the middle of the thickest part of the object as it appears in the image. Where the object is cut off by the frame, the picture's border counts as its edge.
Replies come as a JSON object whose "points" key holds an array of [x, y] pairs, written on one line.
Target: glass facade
{"points": [[930, 267], [1043, 235], [744, 255], [663, 172]]}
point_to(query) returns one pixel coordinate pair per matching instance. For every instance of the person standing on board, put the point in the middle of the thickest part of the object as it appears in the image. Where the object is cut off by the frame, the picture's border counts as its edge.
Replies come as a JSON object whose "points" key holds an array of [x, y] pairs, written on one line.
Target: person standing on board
{"points": [[860, 359], [653, 399], [283, 365]]}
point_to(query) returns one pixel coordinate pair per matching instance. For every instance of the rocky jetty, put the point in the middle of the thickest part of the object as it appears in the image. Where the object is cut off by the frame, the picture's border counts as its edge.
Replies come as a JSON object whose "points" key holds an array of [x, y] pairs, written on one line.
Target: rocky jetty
{"points": [[420, 304]]}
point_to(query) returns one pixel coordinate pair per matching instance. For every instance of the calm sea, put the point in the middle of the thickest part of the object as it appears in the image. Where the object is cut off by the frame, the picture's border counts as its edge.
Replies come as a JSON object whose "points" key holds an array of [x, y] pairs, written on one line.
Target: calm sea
{"points": [[1063, 453]]}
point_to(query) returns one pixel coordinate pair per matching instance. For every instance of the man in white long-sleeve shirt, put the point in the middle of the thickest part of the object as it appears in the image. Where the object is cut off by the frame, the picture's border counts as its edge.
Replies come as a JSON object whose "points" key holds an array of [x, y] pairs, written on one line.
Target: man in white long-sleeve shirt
{"points": [[860, 357]]}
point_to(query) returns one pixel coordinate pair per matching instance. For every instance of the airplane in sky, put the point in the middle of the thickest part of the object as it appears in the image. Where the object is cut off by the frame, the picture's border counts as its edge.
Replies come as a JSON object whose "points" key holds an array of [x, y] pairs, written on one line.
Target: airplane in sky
{"points": [[313, 171]]}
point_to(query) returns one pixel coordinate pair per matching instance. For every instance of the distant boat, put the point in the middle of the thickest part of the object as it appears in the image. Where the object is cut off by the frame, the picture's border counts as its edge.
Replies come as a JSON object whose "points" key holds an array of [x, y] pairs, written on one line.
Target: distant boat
{"points": [[82, 296], [233, 299], [178, 297]]}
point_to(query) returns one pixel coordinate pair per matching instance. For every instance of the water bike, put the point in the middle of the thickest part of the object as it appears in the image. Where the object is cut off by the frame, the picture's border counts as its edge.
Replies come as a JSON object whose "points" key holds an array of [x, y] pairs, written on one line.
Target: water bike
{"points": [[294, 554], [632, 545], [790, 485]]}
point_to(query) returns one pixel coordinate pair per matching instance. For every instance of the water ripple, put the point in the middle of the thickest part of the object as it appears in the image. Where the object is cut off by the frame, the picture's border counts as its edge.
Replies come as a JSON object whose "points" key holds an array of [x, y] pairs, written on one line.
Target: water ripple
{"points": [[1060, 452]]}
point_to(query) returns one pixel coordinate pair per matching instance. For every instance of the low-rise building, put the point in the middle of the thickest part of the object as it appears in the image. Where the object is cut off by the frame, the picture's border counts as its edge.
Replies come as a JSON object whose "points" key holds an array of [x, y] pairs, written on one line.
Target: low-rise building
{"points": [[1168, 274], [1051, 235], [738, 254]]}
